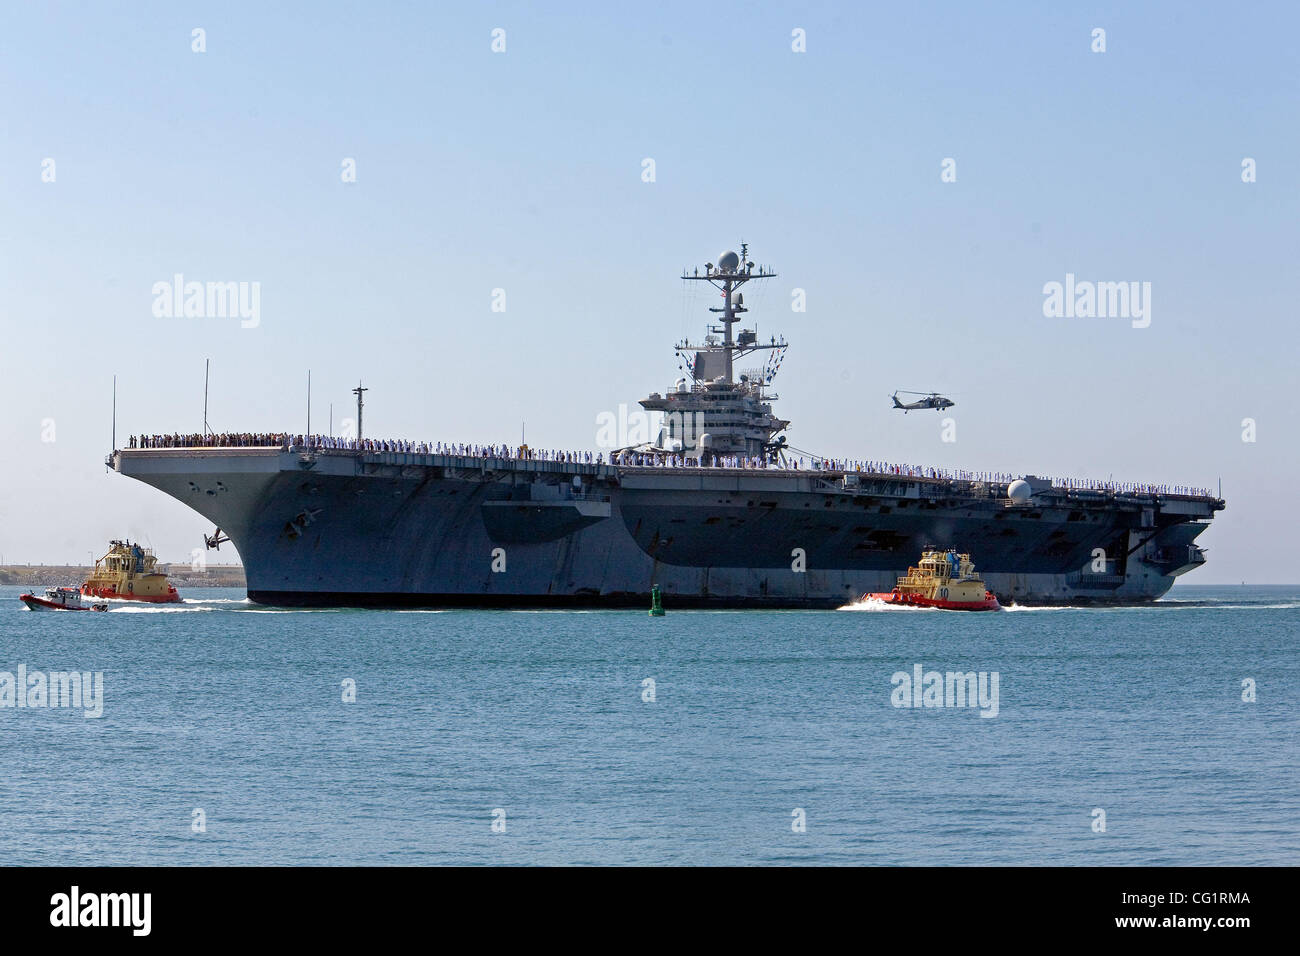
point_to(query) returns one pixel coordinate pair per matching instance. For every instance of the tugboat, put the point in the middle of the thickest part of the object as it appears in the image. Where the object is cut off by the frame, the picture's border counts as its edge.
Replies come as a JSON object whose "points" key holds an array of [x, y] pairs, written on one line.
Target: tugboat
{"points": [[59, 599], [129, 573], [942, 579]]}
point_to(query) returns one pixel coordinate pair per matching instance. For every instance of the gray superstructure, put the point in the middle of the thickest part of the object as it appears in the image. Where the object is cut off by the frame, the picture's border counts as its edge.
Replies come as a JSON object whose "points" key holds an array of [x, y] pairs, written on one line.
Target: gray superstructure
{"points": [[714, 511]]}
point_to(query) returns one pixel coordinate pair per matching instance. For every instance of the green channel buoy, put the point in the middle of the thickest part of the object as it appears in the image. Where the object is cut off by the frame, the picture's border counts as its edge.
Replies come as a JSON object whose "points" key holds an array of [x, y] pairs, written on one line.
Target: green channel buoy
{"points": [[656, 602]]}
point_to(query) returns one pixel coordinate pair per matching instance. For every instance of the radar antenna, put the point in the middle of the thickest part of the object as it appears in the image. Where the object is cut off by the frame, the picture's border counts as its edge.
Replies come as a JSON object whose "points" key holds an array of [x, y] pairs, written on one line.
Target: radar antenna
{"points": [[730, 273]]}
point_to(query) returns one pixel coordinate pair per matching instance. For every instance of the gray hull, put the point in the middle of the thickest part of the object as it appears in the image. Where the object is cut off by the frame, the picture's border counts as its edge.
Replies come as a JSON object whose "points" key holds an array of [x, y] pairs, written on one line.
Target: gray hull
{"points": [[390, 529]]}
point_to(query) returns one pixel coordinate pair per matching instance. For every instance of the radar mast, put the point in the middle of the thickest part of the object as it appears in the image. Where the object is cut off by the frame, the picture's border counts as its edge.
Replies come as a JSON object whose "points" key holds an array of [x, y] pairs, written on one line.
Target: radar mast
{"points": [[730, 273]]}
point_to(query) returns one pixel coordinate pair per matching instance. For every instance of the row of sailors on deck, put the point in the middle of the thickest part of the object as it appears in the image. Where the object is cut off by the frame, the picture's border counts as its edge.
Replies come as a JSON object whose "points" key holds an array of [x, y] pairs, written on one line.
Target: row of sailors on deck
{"points": [[463, 449], [210, 440], [631, 459], [290, 442], [909, 471]]}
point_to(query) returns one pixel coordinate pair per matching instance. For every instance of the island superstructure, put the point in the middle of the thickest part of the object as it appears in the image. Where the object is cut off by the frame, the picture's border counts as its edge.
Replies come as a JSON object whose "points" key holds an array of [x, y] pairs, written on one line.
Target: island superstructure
{"points": [[715, 510], [721, 414]]}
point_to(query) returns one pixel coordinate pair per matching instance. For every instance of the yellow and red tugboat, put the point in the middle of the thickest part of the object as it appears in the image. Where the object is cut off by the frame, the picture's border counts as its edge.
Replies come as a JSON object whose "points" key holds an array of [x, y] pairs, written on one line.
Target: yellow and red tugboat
{"points": [[942, 579], [129, 573]]}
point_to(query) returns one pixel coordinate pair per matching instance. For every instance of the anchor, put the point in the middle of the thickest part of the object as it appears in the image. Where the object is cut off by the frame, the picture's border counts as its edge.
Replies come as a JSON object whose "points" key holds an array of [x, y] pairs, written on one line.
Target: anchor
{"points": [[299, 524]]}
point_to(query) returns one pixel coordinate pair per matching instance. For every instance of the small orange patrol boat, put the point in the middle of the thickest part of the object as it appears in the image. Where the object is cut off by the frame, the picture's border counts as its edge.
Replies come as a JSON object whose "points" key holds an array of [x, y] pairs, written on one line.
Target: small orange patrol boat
{"points": [[129, 573], [941, 579]]}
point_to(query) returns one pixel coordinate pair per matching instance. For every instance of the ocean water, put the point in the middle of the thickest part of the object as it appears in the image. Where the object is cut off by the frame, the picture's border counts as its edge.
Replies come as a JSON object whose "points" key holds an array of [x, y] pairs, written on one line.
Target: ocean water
{"points": [[238, 710]]}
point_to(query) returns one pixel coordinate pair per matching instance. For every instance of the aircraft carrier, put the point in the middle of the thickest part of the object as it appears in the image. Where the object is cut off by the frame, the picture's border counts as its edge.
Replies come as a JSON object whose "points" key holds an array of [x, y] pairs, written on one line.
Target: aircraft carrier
{"points": [[716, 510]]}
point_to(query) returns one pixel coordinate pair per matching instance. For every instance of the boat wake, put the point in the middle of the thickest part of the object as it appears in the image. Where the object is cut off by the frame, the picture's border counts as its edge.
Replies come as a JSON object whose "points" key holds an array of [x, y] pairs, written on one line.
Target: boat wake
{"points": [[1216, 606], [1039, 607], [875, 604], [130, 607], [1161, 605]]}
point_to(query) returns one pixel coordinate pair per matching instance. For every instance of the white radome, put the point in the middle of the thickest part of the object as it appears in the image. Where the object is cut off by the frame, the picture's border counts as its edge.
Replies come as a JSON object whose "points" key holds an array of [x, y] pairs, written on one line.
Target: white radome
{"points": [[1019, 491], [728, 262]]}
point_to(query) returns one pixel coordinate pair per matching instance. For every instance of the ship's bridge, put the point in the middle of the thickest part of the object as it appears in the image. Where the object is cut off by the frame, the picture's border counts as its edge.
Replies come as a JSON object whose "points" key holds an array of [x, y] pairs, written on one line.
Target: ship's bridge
{"points": [[717, 418]]}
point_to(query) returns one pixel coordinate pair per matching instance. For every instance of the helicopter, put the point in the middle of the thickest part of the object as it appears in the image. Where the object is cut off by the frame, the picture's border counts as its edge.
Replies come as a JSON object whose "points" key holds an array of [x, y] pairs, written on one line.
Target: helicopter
{"points": [[930, 400]]}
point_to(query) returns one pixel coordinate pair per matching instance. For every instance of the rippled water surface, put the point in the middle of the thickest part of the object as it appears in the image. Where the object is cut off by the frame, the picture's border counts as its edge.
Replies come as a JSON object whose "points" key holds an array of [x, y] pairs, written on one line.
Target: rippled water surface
{"points": [[237, 709]]}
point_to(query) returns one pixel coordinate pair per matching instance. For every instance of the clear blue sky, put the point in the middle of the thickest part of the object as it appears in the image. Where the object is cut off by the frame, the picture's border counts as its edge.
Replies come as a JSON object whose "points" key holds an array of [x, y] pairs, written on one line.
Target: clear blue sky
{"points": [[522, 171]]}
